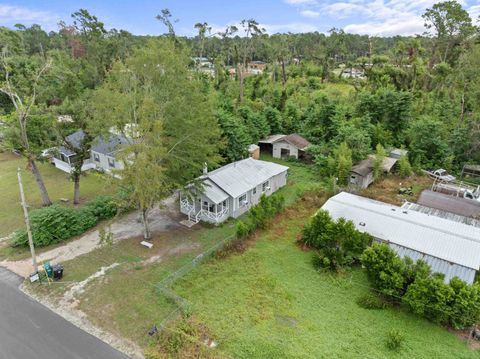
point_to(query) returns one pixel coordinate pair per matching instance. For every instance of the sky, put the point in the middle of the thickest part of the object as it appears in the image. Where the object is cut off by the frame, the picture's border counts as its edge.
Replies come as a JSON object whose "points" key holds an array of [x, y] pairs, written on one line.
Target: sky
{"points": [[372, 17]]}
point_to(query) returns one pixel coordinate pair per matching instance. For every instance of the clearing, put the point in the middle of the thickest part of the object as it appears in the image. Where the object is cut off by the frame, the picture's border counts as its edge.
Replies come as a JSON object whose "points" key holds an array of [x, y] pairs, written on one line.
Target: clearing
{"points": [[57, 182]]}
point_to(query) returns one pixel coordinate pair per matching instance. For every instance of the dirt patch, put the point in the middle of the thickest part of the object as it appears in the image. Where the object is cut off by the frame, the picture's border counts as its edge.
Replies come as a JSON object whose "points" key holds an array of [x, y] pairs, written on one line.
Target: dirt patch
{"points": [[162, 219], [387, 189], [465, 335]]}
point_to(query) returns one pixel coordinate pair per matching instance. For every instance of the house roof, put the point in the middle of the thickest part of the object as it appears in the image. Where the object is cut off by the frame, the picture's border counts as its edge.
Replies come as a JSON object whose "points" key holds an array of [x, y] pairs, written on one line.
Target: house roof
{"points": [[239, 177], [432, 237], [106, 146], [294, 139]]}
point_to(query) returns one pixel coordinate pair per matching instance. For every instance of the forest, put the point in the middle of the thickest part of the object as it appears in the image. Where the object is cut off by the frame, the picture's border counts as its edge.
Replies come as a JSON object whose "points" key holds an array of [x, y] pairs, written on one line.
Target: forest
{"points": [[420, 93]]}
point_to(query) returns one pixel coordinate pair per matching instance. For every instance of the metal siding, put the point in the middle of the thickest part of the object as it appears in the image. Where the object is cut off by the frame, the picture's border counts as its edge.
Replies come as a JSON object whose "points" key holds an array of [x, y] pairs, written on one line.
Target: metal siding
{"points": [[441, 238]]}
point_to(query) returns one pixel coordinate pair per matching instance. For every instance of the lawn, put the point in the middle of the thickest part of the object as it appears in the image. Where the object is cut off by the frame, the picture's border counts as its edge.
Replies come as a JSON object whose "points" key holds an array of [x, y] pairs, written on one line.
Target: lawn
{"points": [[57, 182], [270, 302]]}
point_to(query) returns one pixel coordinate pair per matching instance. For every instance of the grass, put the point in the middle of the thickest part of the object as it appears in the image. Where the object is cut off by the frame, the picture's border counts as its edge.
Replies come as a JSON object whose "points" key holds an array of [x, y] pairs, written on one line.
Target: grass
{"points": [[270, 302], [57, 182]]}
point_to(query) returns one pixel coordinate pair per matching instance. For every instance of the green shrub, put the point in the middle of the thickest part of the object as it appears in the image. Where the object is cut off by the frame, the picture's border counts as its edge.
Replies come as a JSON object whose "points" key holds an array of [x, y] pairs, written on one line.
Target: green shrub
{"points": [[103, 207], [371, 301], [260, 215], [56, 223], [465, 308], [338, 243], [395, 339]]}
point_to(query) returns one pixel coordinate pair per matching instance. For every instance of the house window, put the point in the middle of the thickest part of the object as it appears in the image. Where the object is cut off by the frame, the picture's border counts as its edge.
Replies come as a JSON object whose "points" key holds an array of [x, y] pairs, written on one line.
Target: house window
{"points": [[224, 204], [96, 157], [205, 206], [265, 186], [255, 190], [111, 162], [242, 200]]}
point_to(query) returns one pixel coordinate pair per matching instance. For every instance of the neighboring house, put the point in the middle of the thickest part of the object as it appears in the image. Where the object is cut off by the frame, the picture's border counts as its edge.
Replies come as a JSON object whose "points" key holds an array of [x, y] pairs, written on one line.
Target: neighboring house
{"points": [[254, 151], [102, 153], [283, 146], [232, 190], [353, 73], [361, 175], [449, 246], [256, 67]]}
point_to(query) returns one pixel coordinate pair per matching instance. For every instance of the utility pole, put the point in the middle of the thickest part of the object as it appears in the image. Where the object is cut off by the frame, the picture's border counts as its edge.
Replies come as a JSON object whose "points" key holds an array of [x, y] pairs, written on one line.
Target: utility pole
{"points": [[27, 222]]}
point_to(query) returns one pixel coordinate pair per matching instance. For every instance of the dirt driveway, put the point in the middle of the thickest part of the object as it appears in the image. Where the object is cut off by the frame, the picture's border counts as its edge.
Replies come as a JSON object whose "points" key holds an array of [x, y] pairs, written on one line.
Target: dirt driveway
{"points": [[161, 220]]}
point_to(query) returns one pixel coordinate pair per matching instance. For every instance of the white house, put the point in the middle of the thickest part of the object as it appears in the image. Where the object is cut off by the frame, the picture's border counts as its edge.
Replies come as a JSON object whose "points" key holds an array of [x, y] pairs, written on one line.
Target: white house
{"points": [[285, 146], [102, 153], [232, 190], [447, 244]]}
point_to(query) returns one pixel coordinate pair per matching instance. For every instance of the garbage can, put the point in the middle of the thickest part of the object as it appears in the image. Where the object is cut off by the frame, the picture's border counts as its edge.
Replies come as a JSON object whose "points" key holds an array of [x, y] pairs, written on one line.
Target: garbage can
{"points": [[48, 269], [57, 271]]}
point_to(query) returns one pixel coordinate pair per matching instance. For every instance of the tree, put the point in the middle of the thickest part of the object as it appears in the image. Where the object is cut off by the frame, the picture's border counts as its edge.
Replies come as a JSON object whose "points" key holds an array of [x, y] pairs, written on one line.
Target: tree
{"points": [[20, 85], [378, 160], [170, 113], [404, 167], [203, 29], [343, 163], [451, 25]]}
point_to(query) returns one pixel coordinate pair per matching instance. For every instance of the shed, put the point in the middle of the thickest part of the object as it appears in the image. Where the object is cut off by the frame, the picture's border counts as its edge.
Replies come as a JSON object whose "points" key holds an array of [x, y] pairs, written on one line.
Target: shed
{"points": [[362, 173], [285, 146], [397, 153], [471, 171], [449, 247], [441, 201]]}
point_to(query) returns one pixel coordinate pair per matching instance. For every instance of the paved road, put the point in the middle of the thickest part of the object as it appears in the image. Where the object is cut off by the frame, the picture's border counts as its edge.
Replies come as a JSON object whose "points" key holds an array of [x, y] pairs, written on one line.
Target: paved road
{"points": [[28, 330]]}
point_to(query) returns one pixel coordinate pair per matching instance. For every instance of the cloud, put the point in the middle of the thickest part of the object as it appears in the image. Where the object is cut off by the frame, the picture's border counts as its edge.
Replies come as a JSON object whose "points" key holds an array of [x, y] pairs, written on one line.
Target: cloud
{"points": [[390, 27], [295, 27], [11, 15], [300, 2], [309, 13]]}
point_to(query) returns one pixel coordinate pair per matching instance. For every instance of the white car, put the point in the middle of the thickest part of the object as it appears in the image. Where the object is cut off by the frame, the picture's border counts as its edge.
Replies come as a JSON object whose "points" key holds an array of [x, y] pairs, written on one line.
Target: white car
{"points": [[443, 175]]}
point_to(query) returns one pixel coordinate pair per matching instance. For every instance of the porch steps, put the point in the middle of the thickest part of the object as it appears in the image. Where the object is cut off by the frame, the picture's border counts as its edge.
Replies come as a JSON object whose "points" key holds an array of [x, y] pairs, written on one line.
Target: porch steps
{"points": [[188, 223]]}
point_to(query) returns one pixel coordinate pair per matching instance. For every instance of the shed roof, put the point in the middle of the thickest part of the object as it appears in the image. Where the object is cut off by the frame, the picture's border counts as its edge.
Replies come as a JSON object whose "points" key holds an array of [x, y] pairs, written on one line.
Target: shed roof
{"points": [[432, 236], [272, 138], [294, 139], [239, 177], [364, 167]]}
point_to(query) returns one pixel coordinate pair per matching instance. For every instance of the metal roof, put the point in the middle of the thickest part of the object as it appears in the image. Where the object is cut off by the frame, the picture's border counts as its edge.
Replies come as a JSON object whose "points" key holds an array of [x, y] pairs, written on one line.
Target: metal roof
{"points": [[445, 202], [439, 238], [272, 139], [213, 192], [239, 177], [441, 213]]}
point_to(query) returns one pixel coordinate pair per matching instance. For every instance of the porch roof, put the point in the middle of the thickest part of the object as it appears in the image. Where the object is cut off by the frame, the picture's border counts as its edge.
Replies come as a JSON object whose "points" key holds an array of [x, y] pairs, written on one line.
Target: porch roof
{"points": [[213, 192]]}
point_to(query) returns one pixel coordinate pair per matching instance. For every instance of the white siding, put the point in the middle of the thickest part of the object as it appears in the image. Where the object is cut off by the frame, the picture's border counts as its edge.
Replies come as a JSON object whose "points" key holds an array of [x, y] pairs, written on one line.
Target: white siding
{"points": [[278, 146]]}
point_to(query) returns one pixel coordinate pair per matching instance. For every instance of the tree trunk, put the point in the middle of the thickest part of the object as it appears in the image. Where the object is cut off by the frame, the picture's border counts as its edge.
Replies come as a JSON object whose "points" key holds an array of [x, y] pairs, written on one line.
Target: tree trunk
{"points": [[76, 188], [41, 186], [284, 74], [146, 229], [240, 74]]}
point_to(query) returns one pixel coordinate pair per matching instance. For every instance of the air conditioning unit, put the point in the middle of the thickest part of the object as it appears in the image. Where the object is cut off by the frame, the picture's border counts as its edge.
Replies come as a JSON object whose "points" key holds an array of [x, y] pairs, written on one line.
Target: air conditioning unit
{"points": [[245, 202]]}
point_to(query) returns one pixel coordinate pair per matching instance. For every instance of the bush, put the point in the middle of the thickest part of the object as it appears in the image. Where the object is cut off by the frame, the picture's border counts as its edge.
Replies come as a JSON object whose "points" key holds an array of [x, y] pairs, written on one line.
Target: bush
{"points": [[260, 215], [56, 223], [371, 301], [338, 243], [103, 207], [395, 339], [456, 304]]}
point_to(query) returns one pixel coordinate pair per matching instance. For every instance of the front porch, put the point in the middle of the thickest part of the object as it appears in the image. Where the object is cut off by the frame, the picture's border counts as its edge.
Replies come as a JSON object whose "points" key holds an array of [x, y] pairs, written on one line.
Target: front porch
{"points": [[204, 209]]}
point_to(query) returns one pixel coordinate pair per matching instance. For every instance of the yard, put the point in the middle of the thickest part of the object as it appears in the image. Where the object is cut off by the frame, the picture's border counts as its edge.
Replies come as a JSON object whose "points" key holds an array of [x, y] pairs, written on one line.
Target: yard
{"points": [[57, 182], [261, 299]]}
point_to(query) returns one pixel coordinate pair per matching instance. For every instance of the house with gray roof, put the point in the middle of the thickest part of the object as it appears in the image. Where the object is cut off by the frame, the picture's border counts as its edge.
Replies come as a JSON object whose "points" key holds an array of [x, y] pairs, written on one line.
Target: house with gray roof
{"points": [[102, 153], [449, 245], [285, 146], [231, 190]]}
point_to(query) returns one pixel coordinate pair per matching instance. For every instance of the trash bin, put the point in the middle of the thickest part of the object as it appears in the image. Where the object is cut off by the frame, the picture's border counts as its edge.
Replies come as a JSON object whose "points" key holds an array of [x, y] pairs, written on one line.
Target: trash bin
{"points": [[48, 269], [57, 271]]}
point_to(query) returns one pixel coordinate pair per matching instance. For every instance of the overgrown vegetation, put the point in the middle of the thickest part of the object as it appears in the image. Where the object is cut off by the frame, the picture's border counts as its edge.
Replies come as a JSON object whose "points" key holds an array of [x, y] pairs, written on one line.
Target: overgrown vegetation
{"points": [[57, 223], [260, 215]]}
